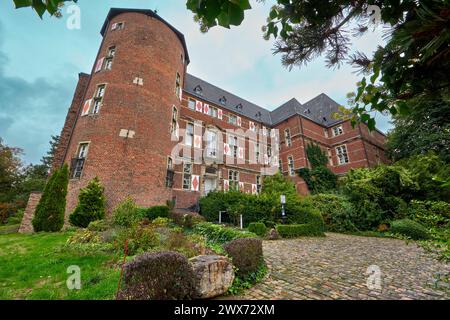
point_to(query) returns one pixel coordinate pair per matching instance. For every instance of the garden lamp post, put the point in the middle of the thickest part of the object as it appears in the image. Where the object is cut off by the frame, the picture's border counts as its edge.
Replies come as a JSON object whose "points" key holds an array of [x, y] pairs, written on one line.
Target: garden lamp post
{"points": [[283, 210]]}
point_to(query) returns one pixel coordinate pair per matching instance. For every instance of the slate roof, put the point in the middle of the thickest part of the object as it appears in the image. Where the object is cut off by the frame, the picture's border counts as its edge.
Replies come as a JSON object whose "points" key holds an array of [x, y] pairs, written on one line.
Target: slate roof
{"points": [[320, 109]]}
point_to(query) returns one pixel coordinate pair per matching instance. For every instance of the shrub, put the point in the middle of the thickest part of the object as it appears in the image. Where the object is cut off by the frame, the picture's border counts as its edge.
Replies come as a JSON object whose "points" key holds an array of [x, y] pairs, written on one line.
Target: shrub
{"points": [[99, 225], [219, 234], [298, 230], [259, 228], [126, 213], [6, 210], [186, 220], [155, 212], [302, 212], [91, 205], [158, 276], [246, 254], [49, 214], [429, 213], [140, 238], [410, 229]]}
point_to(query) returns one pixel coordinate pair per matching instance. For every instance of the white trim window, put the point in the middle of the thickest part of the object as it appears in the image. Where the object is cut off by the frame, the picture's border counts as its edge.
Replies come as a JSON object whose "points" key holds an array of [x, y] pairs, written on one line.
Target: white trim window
{"points": [[174, 125], [212, 112], [98, 98], [187, 176], [191, 104], [291, 166], [178, 85], [189, 140], [211, 144], [338, 130], [288, 138], [233, 178], [258, 184], [342, 155], [233, 142], [232, 119]]}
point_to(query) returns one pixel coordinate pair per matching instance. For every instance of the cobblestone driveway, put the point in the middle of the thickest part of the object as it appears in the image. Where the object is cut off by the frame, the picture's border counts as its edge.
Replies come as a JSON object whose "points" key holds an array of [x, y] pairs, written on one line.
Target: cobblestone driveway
{"points": [[335, 268]]}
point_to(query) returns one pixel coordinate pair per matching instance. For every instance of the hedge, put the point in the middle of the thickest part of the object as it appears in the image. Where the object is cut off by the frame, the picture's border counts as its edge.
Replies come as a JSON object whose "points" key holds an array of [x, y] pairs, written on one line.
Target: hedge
{"points": [[410, 228], [299, 230], [155, 212], [246, 254], [215, 233], [258, 228]]}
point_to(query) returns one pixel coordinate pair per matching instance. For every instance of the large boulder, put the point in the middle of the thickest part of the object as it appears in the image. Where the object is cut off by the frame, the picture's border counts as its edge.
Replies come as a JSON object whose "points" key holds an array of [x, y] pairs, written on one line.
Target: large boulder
{"points": [[214, 275]]}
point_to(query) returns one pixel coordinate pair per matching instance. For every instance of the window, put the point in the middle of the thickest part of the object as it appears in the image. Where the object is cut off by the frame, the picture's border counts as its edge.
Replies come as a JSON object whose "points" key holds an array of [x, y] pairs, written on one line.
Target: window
{"points": [[187, 175], [330, 157], [257, 153], [325, 132], [233, 142], [258, 184], [191, 104], [212, 112], [174, 125], [109, 58], [233, 177], [178, 85], [232, 119], [291, 166], [98, 98], [211, 144], [287, 136], [269, 151], [280, 165], [189, 134], [118, 26], [198, 90], [337, 131], [342, 154], [78, 162], [223, 101], [170, 173]]}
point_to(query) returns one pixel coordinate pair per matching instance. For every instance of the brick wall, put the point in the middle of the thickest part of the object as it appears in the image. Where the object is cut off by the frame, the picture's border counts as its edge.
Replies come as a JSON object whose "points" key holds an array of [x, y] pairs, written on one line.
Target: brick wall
{"points": [[33, 201]]}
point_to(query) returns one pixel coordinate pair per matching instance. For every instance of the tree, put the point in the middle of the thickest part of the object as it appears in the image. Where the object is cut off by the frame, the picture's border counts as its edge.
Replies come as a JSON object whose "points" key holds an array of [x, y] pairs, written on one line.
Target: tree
{"points": [[50, 212], [277, 185], [41, 6], [10, 166], [91, 205], [47, 160]]}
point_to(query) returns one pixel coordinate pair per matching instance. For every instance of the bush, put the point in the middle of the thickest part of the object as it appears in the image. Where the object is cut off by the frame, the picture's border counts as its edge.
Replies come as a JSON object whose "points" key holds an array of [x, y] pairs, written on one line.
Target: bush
{"points": [[50, 211], [158, 276], [246, 255], [410, 229], [6, 210], [337, 212], [140, 238], [298, 230], [91, 205], [155, 212], [259, 228], [429, 213], [219, 234], [186, 220], [126, 213], [302, 212], [99, 225]]}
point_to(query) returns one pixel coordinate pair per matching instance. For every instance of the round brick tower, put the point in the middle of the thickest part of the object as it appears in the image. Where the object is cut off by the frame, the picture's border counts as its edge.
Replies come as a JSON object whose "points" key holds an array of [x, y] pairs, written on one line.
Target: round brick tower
{"points": [[122, 132]]}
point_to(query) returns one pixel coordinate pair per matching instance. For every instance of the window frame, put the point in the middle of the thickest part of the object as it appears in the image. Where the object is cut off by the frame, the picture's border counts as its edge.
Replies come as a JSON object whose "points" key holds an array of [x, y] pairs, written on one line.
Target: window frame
{"points": [[190, 134], [291, 162], [187, 175], [343, 154], [339, 129], [288, 137]]}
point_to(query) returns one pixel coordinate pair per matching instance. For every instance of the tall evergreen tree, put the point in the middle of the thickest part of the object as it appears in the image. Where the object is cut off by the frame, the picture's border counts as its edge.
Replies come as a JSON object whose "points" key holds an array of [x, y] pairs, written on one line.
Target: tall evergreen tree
{"points": [[50, 212]]}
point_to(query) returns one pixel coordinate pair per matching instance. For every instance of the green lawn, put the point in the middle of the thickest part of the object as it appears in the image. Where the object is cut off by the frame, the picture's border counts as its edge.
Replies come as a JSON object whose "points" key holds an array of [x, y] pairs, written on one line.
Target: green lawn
{"points": [[35, 267]]}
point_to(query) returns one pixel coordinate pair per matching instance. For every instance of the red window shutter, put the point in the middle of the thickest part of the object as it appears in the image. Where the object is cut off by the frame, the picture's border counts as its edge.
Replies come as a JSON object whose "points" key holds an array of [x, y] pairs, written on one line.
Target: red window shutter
{"points": [[239, 121], [99, 65], [195, 183], [220, 114], [86, 107], [199, 106], [206, 108]]}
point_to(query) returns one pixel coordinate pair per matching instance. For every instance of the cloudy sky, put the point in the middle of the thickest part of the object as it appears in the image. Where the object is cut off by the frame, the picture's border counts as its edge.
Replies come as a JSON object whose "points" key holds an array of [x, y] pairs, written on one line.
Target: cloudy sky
{"points": [[40, 61]]}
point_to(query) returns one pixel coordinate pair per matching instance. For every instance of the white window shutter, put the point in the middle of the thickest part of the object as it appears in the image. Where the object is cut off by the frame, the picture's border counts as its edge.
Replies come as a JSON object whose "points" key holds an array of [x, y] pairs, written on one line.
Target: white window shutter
{"points": [[86, 107], [220, 114], [226, 149], [206, 108], [226, 185], [254, 189], [199, 106], [195, 183], [197, 142], [239, 121], [114, 26], [99, 65], [241, 153]]}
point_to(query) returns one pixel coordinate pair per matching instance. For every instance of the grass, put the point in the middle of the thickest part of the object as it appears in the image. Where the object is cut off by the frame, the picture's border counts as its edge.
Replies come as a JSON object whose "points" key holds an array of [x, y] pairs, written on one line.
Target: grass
{"points": [[35, 267]]}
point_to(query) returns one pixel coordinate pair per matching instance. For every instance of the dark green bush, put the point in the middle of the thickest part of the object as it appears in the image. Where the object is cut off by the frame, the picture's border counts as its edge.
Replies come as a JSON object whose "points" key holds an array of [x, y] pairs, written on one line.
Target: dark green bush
{"points": [[299, 230], [215, 233], [154, 212], [302, 212], [246, 255], [430, 213], [49, 214], [259, 228], [99, 225], [91, 205], [158, 276], [410, 228]]}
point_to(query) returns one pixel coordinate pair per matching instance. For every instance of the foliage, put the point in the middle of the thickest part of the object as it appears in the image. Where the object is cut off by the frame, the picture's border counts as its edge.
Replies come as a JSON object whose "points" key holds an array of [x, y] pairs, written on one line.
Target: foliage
{"points": [[6, 211], [91, 205], [126, 213], [302, 212], [409, 228], [319, 180], [258, 228], [316, 156], [99, 225], [10, 164], [155, 212], [219, 234], [158, 276], [240, 284], [432, 214], [277, 185], [246, 255], [298, 230], [140, 237], [337, 212], [43, 6], [50, 211]]}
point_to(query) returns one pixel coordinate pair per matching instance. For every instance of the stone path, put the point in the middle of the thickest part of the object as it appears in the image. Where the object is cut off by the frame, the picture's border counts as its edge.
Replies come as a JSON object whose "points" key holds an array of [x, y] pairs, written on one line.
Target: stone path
{"points": [[335, 268]]}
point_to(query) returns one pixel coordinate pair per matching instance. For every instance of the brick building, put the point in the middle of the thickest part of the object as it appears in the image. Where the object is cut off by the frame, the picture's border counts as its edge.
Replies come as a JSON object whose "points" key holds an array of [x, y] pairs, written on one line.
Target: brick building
{"points": [[139, 104]]}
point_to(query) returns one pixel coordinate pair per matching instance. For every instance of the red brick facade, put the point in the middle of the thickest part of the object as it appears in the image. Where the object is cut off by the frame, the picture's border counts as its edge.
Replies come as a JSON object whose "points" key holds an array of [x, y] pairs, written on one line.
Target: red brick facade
{"points": [[124, 135]]}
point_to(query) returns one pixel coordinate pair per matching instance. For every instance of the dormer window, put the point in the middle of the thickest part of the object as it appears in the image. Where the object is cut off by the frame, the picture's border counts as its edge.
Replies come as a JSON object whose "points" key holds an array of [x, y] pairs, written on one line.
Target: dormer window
{"points": [[337, 131], [324, 119], [223, 101], [198, 90], [307, 111], [258, 115], [239, 107]]}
